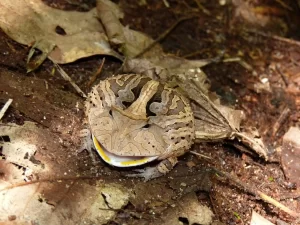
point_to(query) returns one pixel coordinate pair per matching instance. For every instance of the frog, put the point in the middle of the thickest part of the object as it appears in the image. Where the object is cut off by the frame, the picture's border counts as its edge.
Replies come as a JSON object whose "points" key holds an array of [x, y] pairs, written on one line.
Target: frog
{"points": [[134, 120]]}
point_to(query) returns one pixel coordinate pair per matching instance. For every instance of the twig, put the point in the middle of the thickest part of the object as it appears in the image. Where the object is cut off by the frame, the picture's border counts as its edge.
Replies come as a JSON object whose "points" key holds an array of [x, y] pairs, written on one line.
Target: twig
{"points": [[11, 46], [202, 8], [240, 61], [215, 209], [284, 5], [67, 78], [5, 107], [192, 54], [285, 80], [163, 35], [295, 62], [166, 3], [201, 155], [259, 194], [283, 116], [275, 37], [94, 77]]}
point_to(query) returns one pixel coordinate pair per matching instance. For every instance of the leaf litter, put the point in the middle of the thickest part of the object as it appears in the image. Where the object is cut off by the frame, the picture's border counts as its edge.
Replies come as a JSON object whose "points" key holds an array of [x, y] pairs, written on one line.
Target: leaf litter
{"points": [[211, 116], [35, 24], [215, 121], [49, 195], [40, 26]]}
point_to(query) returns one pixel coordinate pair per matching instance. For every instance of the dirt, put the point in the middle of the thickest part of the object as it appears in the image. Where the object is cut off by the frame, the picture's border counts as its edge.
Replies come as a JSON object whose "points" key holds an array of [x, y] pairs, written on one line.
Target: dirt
{"points": [[48, 100]]}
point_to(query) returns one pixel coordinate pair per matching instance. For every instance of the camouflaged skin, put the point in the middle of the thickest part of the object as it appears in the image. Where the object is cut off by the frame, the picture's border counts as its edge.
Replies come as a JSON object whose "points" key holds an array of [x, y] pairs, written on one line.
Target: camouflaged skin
{"points": [[133, 115]]}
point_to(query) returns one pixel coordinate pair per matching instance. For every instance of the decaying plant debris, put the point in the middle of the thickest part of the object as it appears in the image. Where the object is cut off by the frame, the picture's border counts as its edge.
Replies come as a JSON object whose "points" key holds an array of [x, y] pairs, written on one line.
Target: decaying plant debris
{"points": [[45, 155]]}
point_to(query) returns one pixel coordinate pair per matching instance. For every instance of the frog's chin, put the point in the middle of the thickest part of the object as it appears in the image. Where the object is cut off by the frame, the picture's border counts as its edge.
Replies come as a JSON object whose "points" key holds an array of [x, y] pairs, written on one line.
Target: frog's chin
{"points": [[121, 161]]}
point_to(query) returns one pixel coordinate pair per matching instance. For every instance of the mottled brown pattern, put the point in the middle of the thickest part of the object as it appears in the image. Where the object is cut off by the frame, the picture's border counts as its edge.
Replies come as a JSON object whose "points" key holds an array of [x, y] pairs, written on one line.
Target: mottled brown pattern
{"points": [[133, 115]]}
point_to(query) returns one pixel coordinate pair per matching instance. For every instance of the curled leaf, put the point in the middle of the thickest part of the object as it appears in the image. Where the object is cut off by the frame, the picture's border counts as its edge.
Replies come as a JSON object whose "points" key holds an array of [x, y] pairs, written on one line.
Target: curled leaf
{"points": [[63, 36], [130, 42]]}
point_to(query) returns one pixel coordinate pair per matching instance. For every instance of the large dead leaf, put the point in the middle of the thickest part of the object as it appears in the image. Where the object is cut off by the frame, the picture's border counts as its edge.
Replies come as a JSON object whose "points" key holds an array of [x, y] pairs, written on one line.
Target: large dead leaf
{"points": [[165, 67], [54, 194], [130, 42], [257, 219], [188, 208], [19, 145], [213, 121], [63, 35]]}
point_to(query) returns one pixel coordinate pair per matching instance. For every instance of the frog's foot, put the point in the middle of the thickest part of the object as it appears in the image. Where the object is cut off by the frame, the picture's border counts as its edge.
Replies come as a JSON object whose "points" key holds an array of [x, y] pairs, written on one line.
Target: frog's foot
{"points": [[161, 169], [147, 173], [87, 143]]}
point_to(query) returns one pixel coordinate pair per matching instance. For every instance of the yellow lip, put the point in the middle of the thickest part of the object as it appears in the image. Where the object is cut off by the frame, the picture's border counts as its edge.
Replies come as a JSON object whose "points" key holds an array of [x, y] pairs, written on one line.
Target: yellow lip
{"points": [[135, 162], [100, 150], [120, 161]]}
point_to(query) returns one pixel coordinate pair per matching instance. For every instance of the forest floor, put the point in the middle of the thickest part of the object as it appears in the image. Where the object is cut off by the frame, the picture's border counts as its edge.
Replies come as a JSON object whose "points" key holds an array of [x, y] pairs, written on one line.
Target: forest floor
{"points": [[264, 85]]}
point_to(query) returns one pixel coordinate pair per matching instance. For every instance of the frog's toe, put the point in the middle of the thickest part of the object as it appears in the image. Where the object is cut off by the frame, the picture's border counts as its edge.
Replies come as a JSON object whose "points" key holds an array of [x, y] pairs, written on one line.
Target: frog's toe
{"points": [[147, 173], [87, 144], [86, 140]]}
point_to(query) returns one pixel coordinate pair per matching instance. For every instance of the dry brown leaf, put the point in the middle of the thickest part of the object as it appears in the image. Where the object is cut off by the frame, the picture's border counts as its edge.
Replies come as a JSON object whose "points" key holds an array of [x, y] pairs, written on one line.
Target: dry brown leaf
{"points": [[54, 194], [213, 121], [130, 42], [257, 219], [31, 22], [165, 67], [20, 146], [188, 207]]}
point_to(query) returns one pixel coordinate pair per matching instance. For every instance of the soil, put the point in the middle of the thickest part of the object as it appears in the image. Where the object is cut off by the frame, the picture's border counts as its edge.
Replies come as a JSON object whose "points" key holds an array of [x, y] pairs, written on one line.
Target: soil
{"points": [[223, 33]]}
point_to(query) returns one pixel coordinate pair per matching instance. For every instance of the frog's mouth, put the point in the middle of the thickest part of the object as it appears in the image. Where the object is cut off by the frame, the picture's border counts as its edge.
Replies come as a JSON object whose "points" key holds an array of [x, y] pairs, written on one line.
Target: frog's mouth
{"points": [[121, 161]]}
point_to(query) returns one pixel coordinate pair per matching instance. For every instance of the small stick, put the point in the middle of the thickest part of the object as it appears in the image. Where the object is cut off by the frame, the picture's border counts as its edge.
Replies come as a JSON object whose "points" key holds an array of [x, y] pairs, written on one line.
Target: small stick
{"points": [[201, 155], [67, 78], [192, 54], [163, 35], [285, 80], [283, 116], [166, 3], [202, 8], [275, 37], [259, 194], [5, 107], [94, 77], [284, 5], [295, 62], [11, 46], [240, 61]]}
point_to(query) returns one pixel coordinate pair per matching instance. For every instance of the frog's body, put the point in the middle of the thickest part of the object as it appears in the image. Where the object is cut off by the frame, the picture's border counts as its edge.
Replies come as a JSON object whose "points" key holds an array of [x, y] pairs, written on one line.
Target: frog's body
{"points": [[135, 120]]}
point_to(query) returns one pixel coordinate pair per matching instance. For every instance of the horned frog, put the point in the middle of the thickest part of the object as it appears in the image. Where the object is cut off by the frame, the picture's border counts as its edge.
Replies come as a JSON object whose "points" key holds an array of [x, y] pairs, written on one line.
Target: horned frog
{"points": [[135, 120]]}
